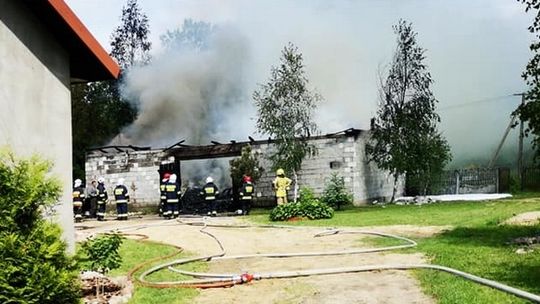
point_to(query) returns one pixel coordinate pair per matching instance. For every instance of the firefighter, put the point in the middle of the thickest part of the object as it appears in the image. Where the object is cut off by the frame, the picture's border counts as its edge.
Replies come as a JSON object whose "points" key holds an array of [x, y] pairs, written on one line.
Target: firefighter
{"points": [[172, 193], [163, 194], [246, 195], [102, 199], [209, 192], [121, 196], [78, 198], [281, 185]]}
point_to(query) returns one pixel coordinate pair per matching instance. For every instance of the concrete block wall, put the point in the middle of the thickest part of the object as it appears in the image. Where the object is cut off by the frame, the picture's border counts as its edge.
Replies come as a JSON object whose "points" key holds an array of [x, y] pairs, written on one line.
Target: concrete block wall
{"points": [[345, 156], [139, 169]]}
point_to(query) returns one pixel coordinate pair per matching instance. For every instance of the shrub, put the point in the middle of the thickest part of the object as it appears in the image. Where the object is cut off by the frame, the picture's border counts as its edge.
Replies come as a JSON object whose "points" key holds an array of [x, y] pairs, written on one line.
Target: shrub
{"points": [[34, 267], [308, 206], [335, 194], [102, 252]]}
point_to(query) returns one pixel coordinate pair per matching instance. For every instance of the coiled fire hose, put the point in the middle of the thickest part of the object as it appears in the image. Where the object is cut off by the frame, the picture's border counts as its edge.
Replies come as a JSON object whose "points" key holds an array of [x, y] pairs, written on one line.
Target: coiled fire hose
{"points": [[213, 280]]}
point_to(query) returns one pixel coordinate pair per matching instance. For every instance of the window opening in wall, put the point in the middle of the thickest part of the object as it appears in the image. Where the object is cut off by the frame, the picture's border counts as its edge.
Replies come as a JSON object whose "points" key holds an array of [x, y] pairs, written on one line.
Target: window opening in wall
{"points": [[335, 164]]}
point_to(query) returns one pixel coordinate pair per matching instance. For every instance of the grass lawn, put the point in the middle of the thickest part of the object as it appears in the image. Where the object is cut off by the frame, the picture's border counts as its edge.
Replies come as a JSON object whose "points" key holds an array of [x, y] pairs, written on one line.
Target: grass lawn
{"points": [[477, 244], [135, 252]]}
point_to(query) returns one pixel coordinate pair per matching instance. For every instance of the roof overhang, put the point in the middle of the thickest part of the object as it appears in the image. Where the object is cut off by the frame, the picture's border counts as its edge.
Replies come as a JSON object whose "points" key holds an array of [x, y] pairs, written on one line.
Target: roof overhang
{"points": [[88, 60]]}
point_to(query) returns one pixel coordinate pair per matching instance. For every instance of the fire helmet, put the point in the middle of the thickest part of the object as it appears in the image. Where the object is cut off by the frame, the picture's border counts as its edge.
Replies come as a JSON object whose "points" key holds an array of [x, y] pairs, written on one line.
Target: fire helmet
{"points": [[121, 181], [247, 178], [77, 183], [280, 171], [166, 176], [209, 180], [172, 178], [101, 180]]}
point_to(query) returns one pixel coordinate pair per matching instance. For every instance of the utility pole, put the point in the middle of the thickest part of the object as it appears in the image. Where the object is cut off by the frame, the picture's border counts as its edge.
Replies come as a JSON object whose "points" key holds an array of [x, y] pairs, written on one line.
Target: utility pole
{"points": [[520, 145]]}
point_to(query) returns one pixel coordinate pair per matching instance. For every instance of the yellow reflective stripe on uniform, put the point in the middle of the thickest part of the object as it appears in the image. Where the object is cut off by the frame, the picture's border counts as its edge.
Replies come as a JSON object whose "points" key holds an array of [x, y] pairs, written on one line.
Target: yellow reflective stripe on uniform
{"points": [[101, 202], [172, 200], [249, 189], [170, 188], [209, 190], [210, 198], [77, 204], [246, 197], [119, 191], [121, 201]]}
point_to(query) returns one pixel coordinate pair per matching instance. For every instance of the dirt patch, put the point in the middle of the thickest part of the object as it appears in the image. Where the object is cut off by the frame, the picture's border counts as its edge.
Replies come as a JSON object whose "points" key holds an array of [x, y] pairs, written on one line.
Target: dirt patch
{"points": [[524, 219], [372, 287]]}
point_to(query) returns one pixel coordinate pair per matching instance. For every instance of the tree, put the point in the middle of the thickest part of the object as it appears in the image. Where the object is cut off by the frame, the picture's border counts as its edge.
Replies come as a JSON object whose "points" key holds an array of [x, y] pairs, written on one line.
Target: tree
{"points": [[285, 109], [129, 41], [34, 266], [404, 137], [194, 35], [530, 111], [98, 111], [246, 164]]}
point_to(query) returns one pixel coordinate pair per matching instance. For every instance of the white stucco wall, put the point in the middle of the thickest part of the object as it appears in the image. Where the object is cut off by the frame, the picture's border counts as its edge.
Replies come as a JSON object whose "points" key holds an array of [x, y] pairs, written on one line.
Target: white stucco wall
{"points": [[35, 105]]}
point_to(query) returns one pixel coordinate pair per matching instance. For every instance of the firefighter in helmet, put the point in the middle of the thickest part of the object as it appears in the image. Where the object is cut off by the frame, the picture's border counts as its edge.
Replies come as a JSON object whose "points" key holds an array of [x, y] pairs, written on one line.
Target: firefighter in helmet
{"points": [[281, 184], [102, 199], [246, 195], [172, 194], [78, 198], [121, 195], [209, 192], [163, 194]]}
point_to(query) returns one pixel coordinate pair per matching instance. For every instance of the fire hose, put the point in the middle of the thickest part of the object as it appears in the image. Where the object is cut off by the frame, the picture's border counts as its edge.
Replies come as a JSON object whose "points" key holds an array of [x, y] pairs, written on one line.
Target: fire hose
{"points": [[213, 280]]}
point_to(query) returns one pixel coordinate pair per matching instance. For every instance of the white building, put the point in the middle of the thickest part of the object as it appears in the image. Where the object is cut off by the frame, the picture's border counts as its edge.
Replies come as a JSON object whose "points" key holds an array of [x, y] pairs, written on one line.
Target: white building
{"points": [[44, 48]]}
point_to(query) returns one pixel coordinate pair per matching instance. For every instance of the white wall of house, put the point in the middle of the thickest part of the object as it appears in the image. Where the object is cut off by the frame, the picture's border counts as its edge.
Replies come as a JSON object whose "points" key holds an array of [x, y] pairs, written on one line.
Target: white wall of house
{"points": [[35, 102]]}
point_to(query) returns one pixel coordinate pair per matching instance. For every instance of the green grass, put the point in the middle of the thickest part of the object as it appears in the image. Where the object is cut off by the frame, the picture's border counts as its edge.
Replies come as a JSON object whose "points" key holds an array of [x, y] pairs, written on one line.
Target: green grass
{"points": [[135, 252], [455, 214], [478, 244]]}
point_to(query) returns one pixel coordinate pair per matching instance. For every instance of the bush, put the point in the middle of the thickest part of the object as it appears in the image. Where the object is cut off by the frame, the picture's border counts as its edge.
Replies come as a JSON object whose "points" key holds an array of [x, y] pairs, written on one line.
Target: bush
{"points": [[34, 267], [335, 194], [308, 206], [102, 252]]}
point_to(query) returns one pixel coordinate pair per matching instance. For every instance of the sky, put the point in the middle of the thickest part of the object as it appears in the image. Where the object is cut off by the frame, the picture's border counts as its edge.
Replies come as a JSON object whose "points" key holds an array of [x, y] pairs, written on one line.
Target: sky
{"points": [[476, 52]]}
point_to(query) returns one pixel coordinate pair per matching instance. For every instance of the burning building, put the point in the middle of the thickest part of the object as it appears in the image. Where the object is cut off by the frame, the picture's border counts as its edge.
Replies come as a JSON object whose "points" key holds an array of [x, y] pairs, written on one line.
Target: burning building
{"points": [[343, 153]]}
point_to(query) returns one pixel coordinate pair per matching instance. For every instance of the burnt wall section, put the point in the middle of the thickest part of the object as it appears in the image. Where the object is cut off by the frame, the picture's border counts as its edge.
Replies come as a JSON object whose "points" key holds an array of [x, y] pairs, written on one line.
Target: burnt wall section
{"points": [[138, 168], [344, 154]]}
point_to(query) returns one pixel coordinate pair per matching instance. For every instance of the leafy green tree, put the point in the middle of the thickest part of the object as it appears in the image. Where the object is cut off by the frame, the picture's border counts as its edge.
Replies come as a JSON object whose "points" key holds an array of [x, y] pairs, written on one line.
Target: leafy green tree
{"points": [[405, 139], [246, 164], [129, 41], [530, 111], [285, 109], [34, 267], [98, 111]]}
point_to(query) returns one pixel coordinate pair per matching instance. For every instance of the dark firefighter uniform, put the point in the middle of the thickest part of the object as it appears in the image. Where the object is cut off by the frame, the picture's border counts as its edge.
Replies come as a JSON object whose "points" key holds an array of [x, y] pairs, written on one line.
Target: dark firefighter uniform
{"points": [[209, 192], [163, 194], [121, 196], [78, 198], [103, 197], [172, 194], [246, 195]]}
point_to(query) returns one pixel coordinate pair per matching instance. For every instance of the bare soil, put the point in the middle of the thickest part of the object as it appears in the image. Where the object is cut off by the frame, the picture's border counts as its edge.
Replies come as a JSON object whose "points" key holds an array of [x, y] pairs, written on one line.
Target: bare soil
{"points": [[372, 287], [524, 219]]}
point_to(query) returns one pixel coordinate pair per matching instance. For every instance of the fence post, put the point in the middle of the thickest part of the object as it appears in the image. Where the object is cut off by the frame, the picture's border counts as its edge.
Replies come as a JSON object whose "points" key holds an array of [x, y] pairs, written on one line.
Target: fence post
{"points": [[497, 181], [457, 181]]}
